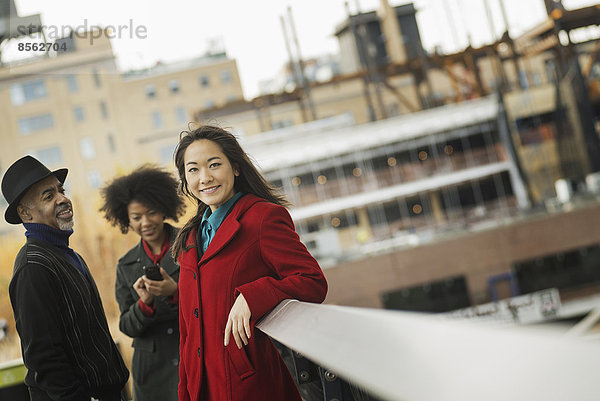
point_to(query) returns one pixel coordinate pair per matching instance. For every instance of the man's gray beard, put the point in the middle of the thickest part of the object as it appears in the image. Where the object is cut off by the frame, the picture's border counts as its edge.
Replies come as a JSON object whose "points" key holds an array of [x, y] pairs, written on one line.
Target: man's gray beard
{"points": [[66, 225]]}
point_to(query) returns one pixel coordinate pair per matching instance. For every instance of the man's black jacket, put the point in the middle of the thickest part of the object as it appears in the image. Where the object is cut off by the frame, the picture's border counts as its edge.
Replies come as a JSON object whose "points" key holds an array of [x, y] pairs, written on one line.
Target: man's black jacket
{"points": [[66, 344]]}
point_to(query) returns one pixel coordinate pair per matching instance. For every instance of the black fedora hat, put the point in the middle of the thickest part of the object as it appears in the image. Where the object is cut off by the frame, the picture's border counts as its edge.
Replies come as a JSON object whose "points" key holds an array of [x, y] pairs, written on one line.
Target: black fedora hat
{"points": [[20, 176]]}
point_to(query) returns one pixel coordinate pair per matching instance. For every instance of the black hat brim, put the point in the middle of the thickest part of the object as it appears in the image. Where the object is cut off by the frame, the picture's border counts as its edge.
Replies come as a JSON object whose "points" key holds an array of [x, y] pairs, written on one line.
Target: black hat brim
{"points": [[11, 215]]}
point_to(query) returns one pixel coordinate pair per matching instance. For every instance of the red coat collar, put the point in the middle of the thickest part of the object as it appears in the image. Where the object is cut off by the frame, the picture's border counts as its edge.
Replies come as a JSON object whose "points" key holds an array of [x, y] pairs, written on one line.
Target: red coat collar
{"points": [[224, 234]]}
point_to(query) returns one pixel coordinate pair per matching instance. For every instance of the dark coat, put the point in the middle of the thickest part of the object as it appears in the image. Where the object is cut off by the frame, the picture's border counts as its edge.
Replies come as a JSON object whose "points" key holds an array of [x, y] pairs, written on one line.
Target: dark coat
{"points": [[66, 344], [255, 252], [154, 367]]}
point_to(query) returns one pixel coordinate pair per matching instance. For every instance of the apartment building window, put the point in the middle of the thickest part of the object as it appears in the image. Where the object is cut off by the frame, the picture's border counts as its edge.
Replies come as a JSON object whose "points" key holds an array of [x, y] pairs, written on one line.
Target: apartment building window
{"points": [[277, 183], [166, 154], [550, 69], [574, 268], [78, 112], [181, 115], [86, 146], [352, 170], [174, 85], [231, 98], [50, 156], [313, 226], [112, 146], [305, 179], [31, 124], [281, 123], [493, 85], [226, 76], [72, 83], [157, 120], [3, 202], [150, 91], [104, 110], [343, 220], [94, 178], [204, 81], [523, 79], [96, 76], [27, 91], [436, 296]]}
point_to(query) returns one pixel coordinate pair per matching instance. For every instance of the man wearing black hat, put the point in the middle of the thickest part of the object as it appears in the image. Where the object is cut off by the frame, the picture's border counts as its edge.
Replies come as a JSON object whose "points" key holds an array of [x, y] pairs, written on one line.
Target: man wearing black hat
{"points": [[66, 344]]}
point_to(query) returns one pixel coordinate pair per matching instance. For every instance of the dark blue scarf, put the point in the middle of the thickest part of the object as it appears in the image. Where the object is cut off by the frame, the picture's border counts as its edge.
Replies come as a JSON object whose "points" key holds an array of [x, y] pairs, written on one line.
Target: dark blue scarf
{"points": [[58, 238]]}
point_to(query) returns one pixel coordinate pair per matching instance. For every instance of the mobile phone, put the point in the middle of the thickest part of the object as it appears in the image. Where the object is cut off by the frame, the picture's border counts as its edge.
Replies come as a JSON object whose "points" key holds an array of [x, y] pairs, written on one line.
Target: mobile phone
{"points": [[153, 272]]}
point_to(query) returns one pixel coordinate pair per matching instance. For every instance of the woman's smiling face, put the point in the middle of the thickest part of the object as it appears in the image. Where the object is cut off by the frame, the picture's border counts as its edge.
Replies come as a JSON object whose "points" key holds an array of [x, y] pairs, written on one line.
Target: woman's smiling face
{"points": [[209, 174], [146, 222]]}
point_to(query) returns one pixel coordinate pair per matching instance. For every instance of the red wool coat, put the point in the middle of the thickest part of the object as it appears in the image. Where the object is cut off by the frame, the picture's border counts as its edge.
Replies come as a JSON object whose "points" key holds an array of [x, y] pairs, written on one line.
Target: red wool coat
{"points": [[255, 252]]}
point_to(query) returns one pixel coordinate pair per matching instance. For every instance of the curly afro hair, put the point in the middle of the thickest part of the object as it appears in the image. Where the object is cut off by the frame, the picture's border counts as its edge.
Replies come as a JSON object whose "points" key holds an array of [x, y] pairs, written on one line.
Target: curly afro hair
{"points": [[149, 185]]}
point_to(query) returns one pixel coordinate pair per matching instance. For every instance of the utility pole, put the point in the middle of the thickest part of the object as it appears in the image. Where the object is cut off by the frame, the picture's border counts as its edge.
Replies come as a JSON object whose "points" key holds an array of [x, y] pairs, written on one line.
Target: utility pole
{"points": [[494, 56], [555, 11], [511, 44], [295, 72], [305, 83], [468, 58]]}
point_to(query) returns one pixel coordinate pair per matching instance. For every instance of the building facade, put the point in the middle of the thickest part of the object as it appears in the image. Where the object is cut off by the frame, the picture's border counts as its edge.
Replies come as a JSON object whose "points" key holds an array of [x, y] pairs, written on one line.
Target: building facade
{"points": [[76, 109], [357, 188]]}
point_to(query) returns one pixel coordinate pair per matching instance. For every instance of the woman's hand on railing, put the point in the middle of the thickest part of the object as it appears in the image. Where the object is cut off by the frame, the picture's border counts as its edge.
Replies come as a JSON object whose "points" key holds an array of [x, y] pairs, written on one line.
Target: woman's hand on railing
{"points": [[238, 322]]}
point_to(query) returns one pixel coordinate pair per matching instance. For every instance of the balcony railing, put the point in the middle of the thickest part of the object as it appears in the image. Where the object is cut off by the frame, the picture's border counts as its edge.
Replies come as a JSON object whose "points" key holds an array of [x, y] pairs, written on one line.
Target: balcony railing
{"points": [[408, 356], [399, 174], [416, 357]]}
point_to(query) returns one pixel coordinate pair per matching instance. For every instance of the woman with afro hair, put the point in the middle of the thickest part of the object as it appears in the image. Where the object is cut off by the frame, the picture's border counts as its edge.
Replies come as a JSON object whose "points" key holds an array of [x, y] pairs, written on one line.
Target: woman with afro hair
{"points": [[141, 201]]}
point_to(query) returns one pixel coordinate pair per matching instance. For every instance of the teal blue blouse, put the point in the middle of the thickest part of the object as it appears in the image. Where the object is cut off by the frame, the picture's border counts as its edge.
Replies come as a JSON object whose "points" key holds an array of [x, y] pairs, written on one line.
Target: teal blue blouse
{"points": [[212, 221]]}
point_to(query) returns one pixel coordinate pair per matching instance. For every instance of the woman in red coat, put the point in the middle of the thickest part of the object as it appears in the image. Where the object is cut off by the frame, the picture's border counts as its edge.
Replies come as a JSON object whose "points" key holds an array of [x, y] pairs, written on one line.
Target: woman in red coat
{"points": [[240, 256]]}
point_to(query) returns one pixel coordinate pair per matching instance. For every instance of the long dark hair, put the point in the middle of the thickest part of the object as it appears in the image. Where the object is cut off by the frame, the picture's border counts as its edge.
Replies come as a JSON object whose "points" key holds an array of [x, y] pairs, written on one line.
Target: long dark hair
{"points": [[249, 181]]}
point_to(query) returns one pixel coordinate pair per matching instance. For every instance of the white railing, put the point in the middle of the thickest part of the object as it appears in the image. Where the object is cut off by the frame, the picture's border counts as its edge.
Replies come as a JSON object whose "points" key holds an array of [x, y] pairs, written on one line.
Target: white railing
{"points": [[417, 357]]}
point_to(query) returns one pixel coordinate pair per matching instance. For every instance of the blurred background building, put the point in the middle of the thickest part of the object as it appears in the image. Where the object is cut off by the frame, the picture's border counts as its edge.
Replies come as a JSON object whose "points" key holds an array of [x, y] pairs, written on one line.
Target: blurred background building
{"points": [[420, 180], [405, 154], [76, 109]]}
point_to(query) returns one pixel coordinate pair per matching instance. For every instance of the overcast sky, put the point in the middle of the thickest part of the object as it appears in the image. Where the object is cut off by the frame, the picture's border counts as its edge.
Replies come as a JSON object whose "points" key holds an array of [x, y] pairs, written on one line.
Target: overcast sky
{"points": [[251, 30]]}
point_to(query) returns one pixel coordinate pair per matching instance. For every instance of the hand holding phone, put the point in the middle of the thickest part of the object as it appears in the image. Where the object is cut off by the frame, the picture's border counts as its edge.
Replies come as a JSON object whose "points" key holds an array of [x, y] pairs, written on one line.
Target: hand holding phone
{"points": [[153, 272]]}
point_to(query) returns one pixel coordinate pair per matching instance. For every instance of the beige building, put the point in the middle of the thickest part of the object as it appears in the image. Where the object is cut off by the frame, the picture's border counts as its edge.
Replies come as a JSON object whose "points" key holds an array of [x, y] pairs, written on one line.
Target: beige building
{"points": [[75, 109], [159, 103]]}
